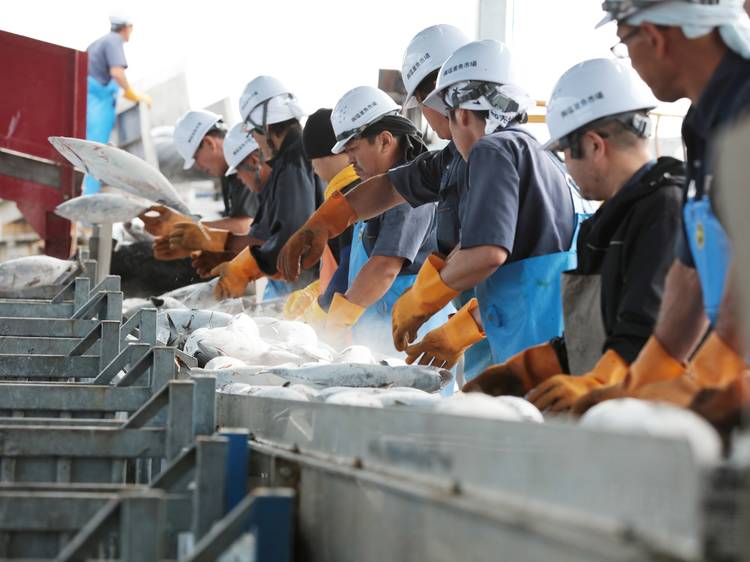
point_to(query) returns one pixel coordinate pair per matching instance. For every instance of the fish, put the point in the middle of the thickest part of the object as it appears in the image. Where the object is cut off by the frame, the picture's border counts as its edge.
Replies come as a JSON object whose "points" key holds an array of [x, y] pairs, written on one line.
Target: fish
{"points": [[631, 415], [223, 362], [239, 338], [429, 379], [197, 295], [247, 374], [355, 398], [408, 397], [100, 208], [356, 354], [174, 326], [34, 271], [478, 405], [289, 332], [278, 392], [525, 409], [120, 169]]}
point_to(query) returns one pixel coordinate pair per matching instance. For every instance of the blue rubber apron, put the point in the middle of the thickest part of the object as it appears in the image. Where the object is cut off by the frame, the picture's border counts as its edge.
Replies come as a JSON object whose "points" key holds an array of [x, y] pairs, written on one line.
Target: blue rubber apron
{"points": [[276, 289], [374, 327], [100, 120], [710, 248], [521, 303]]}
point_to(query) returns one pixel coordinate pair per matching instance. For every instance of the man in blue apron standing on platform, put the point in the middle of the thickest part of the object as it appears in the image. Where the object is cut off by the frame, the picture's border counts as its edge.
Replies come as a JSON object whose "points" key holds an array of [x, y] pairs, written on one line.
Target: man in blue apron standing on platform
{"points": [[106, 76], [519, 214]]}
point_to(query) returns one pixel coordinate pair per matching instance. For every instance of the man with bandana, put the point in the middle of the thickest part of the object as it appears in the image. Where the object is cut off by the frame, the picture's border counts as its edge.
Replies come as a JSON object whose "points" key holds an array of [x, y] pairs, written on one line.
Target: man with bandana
{"points": [[518, 213], [697, 49]]}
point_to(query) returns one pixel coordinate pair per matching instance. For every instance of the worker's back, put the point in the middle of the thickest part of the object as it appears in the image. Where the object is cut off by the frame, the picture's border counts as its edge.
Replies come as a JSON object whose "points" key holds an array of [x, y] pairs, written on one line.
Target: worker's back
{"points": [[104, 53]]}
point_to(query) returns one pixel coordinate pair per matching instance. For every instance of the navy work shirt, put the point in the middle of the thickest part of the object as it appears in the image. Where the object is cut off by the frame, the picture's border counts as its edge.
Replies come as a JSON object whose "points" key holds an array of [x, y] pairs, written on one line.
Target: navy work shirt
{"points": [[430, 177], [104, 53], [239, 201], [725, 98], [515, 196]]}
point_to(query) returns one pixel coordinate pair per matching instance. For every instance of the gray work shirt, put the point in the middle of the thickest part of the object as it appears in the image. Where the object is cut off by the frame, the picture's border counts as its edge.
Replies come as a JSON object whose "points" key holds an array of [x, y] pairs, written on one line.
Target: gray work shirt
{"points": [[104, 53], [515, 196], [403, 232], [239, 201], [434, 176]]}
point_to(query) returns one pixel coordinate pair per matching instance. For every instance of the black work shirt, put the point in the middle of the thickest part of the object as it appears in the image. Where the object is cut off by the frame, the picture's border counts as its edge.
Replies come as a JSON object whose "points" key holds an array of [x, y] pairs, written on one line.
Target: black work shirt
{"points": [[290, 196], [724, 100], [239, 201], [630, 242], [435, 176]]}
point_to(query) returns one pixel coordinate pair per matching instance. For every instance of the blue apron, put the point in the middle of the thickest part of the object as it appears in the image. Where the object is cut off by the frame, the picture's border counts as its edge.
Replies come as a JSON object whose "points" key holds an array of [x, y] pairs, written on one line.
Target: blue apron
{"points": [[710, 248], [100, 120], [374, 327], [276, 289], [521, 303]]}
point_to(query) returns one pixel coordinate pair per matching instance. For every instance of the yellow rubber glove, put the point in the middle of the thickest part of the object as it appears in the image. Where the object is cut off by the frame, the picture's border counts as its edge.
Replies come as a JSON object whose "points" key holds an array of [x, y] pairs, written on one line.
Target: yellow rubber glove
{"points": [[164, 252], [342, 315], [314, 315], [299, 300], [306, 246], [193, 236], [235, 275], [444, 346], [519, 374], [559, 393], [653, 364], [418, 303], [133, 96], [163, 220]]}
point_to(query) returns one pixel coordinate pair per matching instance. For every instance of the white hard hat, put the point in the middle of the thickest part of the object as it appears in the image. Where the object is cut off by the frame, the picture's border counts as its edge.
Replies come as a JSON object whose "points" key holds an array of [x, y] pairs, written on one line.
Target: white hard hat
{"points": [[358, 109], [189, 131], [120, 18], [426, 52], [238, 145], [266, 100], [593, 90], [479, 61]]}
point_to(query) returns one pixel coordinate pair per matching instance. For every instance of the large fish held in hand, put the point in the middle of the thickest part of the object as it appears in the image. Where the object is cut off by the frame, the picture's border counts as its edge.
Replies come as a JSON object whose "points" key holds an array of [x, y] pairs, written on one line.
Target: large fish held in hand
{"points": [[99, 208], [34, 271], [120, 169]]}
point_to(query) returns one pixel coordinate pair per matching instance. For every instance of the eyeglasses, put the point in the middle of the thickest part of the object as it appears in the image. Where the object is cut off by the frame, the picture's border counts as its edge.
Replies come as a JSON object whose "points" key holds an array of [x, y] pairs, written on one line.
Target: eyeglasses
{"points": [[620, 50]]}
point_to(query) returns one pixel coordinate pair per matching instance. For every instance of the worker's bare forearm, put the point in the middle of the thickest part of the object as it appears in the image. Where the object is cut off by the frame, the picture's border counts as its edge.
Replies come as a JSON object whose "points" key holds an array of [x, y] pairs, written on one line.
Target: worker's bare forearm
{"points": [[236, 243], [466, 268], [682, 321], [118, 75], [374, 280], [374, 197], [235, 225], [729, 325]]}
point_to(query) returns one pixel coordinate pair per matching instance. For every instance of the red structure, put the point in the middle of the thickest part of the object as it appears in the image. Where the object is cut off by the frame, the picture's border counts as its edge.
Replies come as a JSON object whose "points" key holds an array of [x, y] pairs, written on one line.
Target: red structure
{"points": [[43, 94]]}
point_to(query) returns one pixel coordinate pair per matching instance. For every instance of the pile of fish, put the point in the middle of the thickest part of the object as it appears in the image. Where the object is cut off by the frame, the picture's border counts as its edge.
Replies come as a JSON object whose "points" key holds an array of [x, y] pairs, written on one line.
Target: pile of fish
{"points": [[31, 272]]}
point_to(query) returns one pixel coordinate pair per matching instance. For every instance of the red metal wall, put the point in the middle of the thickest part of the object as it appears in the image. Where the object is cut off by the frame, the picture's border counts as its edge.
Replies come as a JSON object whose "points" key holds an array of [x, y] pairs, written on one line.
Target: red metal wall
{"points": [[43, 94]]}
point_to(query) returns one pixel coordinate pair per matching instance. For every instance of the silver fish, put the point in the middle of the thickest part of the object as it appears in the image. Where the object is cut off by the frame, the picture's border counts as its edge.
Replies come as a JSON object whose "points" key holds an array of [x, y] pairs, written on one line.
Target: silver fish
{"points": [[429, 379], [173, 326], [34, 271], [120, 169], [100, 208]]}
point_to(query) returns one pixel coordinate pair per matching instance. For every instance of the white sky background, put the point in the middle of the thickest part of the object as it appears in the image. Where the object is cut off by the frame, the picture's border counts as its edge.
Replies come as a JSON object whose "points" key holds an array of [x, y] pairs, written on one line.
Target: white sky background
{"points": [[319, 48]]}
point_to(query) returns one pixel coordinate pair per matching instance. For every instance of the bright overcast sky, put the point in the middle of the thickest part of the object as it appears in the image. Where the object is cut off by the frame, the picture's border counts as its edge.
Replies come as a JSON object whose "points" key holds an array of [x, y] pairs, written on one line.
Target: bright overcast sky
{"points": [[319, 48]]}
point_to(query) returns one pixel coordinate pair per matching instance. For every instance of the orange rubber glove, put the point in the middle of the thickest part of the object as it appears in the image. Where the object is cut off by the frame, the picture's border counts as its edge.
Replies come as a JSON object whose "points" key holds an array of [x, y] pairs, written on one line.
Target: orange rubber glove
{"points": [[193, 236], [161, 224], [235, 275], [164, 252], [559, 393], [519, 374], [342, 315], [653, 364], [418, 303], [444, 346], [306, 245]]}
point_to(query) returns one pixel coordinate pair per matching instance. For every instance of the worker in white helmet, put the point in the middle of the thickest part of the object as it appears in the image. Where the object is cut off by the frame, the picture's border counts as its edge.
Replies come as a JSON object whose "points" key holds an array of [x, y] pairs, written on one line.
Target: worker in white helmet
{"points": [[698, 50], [388, 250], [271, 115], [199, 137], [431, 177], [518, 211], [597, 115], [106, 75]]}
